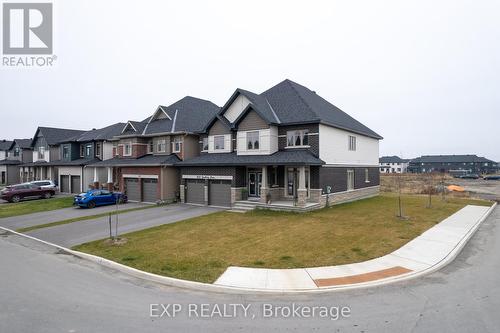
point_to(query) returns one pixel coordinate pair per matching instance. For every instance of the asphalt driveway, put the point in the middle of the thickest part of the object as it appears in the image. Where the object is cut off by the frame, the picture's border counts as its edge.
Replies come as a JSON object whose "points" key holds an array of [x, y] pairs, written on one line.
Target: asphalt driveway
{"points": [[29, 220], [72, 234]]}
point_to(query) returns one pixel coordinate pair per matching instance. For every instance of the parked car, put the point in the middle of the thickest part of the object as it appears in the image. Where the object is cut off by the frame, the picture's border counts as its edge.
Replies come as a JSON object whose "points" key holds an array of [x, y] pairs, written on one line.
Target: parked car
{"points": [[470, 176], [492, 177], [93, 198], [46, 184], [16, 193]]}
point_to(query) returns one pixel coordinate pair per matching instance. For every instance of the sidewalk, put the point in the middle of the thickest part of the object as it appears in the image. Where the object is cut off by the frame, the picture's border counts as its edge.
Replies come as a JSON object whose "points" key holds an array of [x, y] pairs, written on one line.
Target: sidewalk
{"points": [[424, 254]]}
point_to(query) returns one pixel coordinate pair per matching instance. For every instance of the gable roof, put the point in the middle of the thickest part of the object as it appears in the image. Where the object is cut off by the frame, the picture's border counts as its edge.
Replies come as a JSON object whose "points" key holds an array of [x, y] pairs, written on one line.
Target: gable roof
{"points": [[450, 159], [189, 114], [5, 144], [105, 133], [392, 159], [23, 143], [133, 127], [54, 136]]}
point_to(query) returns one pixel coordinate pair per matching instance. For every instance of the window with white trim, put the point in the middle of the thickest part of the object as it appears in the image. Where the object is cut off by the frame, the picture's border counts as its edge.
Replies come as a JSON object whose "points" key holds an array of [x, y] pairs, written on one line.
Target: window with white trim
{"points": [[205, 144], [297, 138], [150, 146], [16, 151], [352, 143], [253, 140], [82, 150], [177, 145], [161, 146], [65, 152], [127, 149], [41, 152], [219, 142], [367, 176], [98, 149], [350, 179], [88, 149]]}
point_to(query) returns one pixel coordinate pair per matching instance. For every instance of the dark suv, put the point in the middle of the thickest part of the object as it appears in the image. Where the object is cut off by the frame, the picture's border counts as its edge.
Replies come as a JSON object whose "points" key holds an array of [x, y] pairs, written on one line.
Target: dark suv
{"points": [[16, 193]]}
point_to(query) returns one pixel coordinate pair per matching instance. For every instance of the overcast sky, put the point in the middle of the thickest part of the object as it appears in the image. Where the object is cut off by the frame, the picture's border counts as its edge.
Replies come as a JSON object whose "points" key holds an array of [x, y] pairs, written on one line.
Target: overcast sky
{"points": [[423, 74]]}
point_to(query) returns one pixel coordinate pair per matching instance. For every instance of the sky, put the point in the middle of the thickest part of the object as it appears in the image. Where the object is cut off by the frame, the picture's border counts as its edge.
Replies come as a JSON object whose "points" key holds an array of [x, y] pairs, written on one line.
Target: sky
{"points": [[423, 74]]}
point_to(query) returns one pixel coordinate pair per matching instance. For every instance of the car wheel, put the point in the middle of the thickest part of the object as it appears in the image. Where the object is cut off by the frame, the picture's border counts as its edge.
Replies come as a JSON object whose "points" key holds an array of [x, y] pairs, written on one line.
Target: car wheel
{"points": [[91, 204], [47, 195], [16, 198]]}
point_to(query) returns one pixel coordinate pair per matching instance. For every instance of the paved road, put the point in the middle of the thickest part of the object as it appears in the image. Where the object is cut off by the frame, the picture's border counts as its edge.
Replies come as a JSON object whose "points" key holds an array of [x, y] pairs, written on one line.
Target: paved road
{"points": [[46, 292], [85, 231], [29, 220]]}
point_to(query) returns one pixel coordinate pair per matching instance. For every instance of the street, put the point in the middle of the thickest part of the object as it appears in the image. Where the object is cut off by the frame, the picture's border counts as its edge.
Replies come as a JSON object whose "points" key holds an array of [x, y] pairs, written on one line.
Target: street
{"points": [[46, 292]]}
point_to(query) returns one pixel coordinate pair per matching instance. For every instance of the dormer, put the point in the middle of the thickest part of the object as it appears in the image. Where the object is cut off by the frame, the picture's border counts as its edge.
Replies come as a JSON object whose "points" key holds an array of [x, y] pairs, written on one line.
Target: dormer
{"points": [[160, 113], [255, 136], [220, 137]]}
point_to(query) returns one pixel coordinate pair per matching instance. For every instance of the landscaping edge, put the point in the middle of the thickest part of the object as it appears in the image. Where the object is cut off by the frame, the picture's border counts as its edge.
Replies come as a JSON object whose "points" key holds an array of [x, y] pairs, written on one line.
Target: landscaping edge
{"points": [[199, 286]]}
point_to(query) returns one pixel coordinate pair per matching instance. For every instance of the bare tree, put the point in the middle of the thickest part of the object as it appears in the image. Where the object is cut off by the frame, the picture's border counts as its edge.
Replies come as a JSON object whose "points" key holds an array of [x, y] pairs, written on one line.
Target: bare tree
{"points": [[400, 204], [430, 188]]}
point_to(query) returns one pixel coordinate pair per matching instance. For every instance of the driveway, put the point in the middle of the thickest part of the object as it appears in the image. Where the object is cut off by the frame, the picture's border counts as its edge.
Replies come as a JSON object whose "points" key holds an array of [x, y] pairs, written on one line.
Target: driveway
{"points": [[72, 234], [29, 220]]}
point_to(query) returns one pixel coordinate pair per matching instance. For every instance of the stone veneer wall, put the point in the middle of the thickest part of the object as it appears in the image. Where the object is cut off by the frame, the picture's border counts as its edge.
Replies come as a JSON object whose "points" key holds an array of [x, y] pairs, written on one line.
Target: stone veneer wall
{"points": [[347, 196]]}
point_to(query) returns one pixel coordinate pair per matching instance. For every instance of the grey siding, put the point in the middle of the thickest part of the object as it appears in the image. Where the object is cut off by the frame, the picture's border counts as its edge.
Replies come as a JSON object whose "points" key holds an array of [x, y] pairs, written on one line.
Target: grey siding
{"points": [[54, 152], [313, 139], [12, 174], [238, 173], [219, 128], [252, 121], [336, 177]]}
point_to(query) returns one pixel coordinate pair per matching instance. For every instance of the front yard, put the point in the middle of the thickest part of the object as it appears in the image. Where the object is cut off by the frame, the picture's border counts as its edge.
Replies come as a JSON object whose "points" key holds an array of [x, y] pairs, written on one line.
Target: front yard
{"points": [[201, 248], [34, 206]]}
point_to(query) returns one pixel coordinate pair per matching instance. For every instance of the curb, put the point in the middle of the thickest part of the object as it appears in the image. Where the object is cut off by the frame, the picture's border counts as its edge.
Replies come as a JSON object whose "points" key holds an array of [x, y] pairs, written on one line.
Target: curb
{"points": [[199, 286]]}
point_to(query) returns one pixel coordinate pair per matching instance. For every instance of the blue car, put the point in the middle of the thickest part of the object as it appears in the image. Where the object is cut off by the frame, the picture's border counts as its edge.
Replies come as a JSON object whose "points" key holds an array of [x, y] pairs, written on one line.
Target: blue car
{"points": [[93, 198]]}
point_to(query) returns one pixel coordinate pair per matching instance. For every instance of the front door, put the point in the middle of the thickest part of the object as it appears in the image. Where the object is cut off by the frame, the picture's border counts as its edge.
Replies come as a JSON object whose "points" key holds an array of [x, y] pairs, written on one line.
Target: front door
{"points": [[254, 183]]}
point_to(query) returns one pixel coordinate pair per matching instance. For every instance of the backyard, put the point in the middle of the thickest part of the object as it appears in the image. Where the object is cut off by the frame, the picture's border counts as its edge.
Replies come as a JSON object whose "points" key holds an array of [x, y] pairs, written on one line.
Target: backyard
{"points": [[201, 248]]}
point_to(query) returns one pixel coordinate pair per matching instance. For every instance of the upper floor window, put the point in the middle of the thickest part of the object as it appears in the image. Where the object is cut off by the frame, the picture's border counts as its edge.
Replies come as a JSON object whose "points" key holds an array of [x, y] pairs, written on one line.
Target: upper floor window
{"points": [[253, 140], [127, 149], [115, 148], [82, 150], [41, 152], [219, 142], [65, 152], [297, 138], [88, 150], [98, 149], [205, 144], [161, 146], [16, 151], [177, 145], [150, 147], [352, 143]]}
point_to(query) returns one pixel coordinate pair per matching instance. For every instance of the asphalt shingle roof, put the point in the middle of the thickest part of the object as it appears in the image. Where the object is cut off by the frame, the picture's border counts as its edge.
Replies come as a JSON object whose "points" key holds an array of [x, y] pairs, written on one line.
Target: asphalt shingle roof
{"points": [[392, 159], [5, 144], [289, 157], [147, 160], [78, 162], [54, 136], [450, 159], [23, 143], [105, 133], [10, 162]]}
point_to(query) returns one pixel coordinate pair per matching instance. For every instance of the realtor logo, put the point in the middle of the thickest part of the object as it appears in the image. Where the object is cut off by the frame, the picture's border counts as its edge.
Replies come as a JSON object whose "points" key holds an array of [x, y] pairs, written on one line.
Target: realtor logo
{"points": [[27, 28]]}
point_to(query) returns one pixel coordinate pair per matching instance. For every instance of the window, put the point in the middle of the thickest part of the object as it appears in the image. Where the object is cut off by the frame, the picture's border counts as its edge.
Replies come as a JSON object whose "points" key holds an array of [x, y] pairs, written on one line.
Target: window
{"points": [[352, 143], [65, 152], [205, 144], [219, 142], [350, 179], [82, 151], [161, 146], [41, 152], [150, 147], [297, 138], [16, 151], [127, 149], [115, 147], [367, 176], [98, 149], [177, 145], [253, 140], [88, 150]]}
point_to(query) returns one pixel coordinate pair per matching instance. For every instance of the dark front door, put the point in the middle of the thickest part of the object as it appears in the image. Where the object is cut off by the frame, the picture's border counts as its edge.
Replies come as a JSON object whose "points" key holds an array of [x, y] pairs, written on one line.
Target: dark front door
{"points": [[3, 178], [254, 183]]}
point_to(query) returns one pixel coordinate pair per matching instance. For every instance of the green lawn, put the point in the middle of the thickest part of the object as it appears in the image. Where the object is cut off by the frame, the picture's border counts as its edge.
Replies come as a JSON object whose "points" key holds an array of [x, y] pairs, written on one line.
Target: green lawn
{"points": [[201, 248], [34, 206]]}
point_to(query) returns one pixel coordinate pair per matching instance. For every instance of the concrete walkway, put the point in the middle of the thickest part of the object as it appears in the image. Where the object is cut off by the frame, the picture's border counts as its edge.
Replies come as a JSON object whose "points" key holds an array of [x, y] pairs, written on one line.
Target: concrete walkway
{"points": [[421, 255]]}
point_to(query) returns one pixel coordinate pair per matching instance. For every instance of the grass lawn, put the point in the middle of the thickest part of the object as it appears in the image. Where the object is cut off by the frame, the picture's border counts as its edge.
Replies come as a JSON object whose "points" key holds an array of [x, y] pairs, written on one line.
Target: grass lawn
{"points": [[34, 206], [201, 248]]}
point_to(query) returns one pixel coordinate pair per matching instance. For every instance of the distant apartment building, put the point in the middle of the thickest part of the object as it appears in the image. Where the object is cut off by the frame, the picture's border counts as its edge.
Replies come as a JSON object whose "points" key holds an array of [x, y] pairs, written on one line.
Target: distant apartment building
{"points": [[454, 164], [393, 164]]}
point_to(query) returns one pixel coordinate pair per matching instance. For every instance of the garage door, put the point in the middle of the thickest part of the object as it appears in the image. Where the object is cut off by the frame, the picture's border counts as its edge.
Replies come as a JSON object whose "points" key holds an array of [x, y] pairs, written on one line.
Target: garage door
{"points": [[219, 193], [195, 192], [75, 184], [132, 189], [150, 190], [64, 184]]}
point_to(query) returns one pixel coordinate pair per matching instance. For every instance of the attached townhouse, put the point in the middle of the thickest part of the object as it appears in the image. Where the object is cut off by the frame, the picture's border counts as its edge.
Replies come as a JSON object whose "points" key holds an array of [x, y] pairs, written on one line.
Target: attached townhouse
{"points": [[286, 146], [78, 152], [20, 152], [454, 164], [46, 153], [145, 152], [393, 164], [6, 168]]}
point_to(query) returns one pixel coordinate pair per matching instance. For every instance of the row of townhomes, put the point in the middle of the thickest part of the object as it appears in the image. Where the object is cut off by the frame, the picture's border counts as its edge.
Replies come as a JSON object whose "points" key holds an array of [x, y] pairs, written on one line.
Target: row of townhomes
{"points": [[393, 164], [285, 146]]}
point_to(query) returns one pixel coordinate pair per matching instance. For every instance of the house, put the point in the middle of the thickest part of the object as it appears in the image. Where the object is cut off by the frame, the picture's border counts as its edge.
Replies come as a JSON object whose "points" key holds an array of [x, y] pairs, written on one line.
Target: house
{"points": [[393, 164], [7, 170], [79, 151], [454, 164], [46, 150], [19, 152], [145, 152], [286, 145]]}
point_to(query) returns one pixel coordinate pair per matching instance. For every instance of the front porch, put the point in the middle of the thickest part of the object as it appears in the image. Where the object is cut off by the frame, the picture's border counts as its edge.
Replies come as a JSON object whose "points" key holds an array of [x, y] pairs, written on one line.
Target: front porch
{"points": [[242, 206]]}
